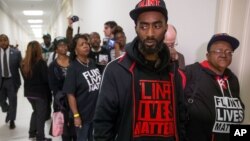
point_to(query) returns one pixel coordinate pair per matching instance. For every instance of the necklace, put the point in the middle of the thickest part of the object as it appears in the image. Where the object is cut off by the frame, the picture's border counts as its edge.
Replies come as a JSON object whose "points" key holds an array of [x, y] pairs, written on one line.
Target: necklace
{"points": [[83, 63]]}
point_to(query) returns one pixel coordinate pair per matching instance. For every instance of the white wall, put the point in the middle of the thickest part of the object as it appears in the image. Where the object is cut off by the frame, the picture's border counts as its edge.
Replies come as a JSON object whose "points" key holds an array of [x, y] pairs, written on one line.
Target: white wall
{"points": [[94, 13], [61, 23], [16, 34], [195, 23]]}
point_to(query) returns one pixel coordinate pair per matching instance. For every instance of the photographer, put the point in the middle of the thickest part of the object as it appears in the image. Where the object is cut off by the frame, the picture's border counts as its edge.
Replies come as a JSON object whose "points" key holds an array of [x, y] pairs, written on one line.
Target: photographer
{"points": [[108, 41]]}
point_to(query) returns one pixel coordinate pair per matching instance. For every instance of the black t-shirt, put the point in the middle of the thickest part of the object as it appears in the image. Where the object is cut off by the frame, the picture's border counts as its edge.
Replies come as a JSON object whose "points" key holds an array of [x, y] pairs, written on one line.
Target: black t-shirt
{"points": [[101, 56], [83, 81]]}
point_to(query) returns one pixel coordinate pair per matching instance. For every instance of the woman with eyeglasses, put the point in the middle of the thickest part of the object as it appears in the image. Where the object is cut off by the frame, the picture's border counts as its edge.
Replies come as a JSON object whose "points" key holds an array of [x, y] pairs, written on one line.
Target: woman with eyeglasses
{"points": [[36, 89], [213, 93], [82, 86]]}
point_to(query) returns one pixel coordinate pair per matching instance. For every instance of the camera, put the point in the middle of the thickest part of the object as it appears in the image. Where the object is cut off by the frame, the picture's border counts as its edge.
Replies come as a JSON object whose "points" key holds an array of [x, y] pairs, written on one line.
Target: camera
{"points": [[111, 43], [74, 18]]}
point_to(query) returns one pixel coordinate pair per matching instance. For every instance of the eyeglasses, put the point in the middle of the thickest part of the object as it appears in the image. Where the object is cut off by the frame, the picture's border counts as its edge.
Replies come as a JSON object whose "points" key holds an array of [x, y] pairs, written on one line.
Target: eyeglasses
{"points": [[221, 52], [172, 45]]}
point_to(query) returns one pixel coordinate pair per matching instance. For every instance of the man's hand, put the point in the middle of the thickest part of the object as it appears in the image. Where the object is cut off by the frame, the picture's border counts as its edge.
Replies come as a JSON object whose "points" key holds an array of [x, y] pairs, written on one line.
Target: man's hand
{"points": [[70, 22], [173, 54]]}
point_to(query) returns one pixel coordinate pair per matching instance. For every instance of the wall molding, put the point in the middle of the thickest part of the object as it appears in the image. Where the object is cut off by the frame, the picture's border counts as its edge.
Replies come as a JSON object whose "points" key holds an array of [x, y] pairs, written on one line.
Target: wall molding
{"points": [[224, 10]]}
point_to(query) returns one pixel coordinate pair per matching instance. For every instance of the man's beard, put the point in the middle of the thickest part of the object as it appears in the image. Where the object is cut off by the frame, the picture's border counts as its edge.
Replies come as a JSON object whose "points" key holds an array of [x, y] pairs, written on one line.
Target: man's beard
{"points": [[145, 49], [95, 46]]}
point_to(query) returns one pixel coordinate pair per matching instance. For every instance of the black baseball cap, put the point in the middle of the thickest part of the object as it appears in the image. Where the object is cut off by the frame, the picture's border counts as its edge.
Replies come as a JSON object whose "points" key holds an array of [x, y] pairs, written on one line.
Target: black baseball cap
{"points": [[223, 37], [46, 35], [58, 40], [149, 5]]}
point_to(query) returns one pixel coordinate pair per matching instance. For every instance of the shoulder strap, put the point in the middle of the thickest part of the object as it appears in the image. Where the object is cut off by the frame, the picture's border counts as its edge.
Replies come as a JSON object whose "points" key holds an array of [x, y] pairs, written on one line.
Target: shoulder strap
{"points": [[194, 74], [54, 55], [183, 77]]}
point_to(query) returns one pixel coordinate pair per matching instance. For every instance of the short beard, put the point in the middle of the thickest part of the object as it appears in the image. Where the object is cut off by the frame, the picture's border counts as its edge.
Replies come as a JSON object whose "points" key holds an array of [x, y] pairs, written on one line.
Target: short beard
{"points": [[149, 50], [95, 47]]}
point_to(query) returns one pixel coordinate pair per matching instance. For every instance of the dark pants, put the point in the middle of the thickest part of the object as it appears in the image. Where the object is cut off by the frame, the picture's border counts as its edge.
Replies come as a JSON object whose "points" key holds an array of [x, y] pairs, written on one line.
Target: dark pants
{"points": [[9, 91], [3, 101], [86, 132], [38, 117], [68, 138]]}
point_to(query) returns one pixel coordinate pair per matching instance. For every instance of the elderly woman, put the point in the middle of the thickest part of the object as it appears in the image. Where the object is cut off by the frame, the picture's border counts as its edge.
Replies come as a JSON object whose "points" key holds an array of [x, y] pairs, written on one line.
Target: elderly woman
{"points": [[82, 85]]}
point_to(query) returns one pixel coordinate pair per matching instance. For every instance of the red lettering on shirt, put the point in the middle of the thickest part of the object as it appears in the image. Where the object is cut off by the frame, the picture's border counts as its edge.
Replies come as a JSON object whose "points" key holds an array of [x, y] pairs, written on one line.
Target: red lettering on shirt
{"points": [[155, 110]]}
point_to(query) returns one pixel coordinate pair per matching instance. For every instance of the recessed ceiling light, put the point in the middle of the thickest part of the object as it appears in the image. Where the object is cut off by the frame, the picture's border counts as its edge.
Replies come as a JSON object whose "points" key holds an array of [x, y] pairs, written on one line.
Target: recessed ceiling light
{"points": [[35, 21], [33, 12], [36, 26]]}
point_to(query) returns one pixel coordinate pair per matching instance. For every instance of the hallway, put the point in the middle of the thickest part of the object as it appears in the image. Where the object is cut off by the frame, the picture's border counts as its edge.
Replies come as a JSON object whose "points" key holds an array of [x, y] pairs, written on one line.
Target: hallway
{"points": [[20, 133]]}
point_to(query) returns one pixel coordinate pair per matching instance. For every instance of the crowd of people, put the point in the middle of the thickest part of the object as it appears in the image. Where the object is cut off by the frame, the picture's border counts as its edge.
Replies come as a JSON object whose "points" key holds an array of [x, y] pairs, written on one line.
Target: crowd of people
{"points": [[113, 90]]}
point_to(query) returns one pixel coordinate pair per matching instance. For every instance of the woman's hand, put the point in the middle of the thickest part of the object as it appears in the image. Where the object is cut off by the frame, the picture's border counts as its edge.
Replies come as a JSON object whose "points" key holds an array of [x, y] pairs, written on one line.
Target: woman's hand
{"points": [[78, 122]]}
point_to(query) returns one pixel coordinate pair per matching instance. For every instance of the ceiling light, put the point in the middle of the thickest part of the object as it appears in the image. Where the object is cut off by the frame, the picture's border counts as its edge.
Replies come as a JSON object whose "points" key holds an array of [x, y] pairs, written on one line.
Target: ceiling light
{"points": [[36, 26], [35, 21], [33, 12]]}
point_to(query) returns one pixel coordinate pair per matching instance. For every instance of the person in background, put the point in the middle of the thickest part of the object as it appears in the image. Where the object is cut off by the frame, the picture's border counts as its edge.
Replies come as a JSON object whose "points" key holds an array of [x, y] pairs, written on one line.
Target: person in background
{"points": [[171, 42], [69, 36], [47, 46], [10, 59], [141, 96], [36, 88], [213, 92], [98, 53], [120, 43], [82, 86], [108, 41], [47, 49], [57, 73]]}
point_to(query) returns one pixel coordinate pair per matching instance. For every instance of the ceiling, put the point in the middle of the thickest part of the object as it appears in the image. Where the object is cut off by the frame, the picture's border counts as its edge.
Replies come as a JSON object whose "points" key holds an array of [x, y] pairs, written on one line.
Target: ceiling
{"points": [[14, 8]]}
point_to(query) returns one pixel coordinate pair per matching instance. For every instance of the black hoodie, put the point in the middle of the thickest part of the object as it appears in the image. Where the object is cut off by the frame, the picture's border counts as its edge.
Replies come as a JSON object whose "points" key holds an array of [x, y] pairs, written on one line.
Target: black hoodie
{"points": [[213, 103], [139, 100]]}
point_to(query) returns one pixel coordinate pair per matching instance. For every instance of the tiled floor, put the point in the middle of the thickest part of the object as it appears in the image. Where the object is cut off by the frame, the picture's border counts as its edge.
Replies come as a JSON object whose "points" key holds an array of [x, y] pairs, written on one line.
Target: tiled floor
{"points": [[20, 133]]}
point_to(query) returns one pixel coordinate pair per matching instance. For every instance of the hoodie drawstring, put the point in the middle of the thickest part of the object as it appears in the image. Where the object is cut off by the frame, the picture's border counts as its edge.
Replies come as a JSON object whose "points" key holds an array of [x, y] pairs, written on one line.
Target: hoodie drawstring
{"points": [[224, 84]]}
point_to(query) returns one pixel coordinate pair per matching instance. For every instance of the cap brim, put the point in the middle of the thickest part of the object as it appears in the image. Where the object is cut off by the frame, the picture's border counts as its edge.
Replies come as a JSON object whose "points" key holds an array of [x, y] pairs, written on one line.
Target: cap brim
{"points": [[136, 12], [231, 40], [62, 41]]}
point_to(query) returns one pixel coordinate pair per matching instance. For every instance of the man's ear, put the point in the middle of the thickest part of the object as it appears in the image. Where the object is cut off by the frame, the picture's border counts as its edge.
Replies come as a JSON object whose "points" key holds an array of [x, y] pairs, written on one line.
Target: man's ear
{"points": [[136, 29]]}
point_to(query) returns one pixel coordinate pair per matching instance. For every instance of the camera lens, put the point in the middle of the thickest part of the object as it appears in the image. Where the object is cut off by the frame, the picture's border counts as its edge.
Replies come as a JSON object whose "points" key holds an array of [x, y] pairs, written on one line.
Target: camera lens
{"points": [[75, 18]]}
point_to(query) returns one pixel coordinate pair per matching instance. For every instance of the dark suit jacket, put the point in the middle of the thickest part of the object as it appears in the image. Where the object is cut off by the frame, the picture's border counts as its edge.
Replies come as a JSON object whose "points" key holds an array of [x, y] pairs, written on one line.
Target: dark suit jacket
{"points": [[181, 61], [15, 59]]}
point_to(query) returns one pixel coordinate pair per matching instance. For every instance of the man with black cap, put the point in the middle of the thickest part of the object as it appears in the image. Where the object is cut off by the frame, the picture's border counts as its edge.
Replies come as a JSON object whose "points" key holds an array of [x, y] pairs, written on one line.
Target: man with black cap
{"points": [[47, 46], [212, 92], [141, 96], [47, 49]]}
